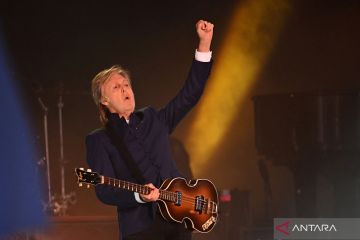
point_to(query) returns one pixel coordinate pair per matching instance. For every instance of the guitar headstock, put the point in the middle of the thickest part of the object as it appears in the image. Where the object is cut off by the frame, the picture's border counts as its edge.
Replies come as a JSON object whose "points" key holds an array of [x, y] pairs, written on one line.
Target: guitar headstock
{"points": [[88, 177]]}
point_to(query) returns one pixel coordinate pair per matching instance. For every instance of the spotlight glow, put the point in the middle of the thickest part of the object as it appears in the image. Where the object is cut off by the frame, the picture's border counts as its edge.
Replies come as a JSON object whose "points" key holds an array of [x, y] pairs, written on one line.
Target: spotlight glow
{"points": [[250, 38]]}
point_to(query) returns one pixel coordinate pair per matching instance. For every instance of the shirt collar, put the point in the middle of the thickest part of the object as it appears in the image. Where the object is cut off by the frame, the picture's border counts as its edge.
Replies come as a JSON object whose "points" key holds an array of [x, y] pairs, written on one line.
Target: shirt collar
{"points": [[120, 125]]}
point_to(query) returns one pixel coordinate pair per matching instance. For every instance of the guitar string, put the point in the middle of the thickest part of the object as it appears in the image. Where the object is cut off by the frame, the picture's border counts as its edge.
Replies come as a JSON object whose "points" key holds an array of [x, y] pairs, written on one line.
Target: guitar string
{"points": [[171, 195], [184, 199], [168, 193], [142, 187], [203, 207], [190, 201]]}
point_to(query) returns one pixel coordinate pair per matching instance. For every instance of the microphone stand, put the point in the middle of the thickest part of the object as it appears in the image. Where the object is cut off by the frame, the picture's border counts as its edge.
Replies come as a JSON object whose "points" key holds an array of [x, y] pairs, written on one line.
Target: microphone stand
{"points": [[49, 204], [66, 199]]}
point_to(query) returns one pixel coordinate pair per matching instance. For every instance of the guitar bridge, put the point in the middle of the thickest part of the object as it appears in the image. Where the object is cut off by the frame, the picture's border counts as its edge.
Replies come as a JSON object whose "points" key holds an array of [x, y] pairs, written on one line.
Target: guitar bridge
{"points": [[212, 207]]}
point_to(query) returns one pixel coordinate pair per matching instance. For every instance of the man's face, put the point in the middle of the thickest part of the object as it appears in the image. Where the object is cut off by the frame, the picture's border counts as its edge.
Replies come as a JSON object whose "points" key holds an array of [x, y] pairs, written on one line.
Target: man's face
{"points": [[118, 96]]}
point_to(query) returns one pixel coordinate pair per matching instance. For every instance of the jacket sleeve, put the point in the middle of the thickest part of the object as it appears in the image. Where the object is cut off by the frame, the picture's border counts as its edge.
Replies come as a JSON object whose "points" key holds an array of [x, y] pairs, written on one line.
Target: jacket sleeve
{"points": [[99, 160], [187, 97]]}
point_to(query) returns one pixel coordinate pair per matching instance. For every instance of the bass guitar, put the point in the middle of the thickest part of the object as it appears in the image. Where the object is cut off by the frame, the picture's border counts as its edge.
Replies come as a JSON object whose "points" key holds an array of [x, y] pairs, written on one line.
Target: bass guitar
{"points": [[194, 202]]}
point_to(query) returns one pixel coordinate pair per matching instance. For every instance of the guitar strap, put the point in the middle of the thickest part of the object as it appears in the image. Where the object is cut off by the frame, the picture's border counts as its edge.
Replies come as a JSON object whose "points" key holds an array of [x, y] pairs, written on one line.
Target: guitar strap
{"points": [[124, 152]]}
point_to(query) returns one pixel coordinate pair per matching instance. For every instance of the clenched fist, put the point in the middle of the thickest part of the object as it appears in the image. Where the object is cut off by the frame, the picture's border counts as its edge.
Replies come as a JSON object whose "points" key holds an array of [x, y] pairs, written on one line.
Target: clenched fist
{"points": [[204, 30]]}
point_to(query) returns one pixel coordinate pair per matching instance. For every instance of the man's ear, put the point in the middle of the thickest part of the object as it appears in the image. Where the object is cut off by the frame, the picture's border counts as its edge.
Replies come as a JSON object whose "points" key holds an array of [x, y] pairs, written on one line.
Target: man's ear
{"points": [[105, 101]]}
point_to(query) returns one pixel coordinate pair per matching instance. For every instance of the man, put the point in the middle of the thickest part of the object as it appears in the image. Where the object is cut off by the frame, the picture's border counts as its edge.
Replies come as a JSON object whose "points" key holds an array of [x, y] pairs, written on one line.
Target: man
{"points": [[145, 135]]}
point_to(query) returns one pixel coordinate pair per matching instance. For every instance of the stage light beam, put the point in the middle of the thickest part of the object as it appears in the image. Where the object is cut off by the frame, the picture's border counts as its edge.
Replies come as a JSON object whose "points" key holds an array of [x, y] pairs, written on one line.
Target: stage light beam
{"points": [[250, 38]]}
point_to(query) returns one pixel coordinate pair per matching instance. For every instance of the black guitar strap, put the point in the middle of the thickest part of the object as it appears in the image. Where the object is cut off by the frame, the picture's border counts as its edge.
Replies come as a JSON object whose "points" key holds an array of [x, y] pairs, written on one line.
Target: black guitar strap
{"points": [[124, 152]]}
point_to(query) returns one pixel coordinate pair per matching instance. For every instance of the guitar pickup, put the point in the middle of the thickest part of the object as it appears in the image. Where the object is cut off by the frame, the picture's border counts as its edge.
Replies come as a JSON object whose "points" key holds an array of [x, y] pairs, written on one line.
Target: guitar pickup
{"points": [[178, 198], [199, 203]]}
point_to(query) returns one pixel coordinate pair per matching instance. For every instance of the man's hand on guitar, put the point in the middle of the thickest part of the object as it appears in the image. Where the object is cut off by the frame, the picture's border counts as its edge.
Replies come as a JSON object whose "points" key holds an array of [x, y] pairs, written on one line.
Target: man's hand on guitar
{"points": [[152, 196]]}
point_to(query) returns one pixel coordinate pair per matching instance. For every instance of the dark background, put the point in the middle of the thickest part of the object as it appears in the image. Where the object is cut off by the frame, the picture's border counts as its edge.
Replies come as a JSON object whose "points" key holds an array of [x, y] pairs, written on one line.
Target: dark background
{"points": [[59, 43]]}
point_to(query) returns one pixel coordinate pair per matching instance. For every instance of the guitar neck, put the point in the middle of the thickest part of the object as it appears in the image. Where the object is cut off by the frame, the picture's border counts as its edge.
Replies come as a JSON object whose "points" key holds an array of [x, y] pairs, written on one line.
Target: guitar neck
{"points": [[141, 189]]}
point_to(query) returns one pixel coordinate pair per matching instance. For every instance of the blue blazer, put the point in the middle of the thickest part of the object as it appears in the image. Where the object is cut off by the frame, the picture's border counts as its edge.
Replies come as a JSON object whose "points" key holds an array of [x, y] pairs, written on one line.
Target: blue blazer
{"points": [[147, 139]]}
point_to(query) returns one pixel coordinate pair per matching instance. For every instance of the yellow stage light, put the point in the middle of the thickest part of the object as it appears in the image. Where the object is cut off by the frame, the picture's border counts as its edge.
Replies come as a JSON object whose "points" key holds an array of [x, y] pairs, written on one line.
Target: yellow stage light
{"points": [[250, 38]]}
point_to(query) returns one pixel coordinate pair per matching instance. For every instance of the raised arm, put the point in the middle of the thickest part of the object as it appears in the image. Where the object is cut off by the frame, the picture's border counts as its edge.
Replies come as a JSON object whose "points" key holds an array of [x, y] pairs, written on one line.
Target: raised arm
{"points": [[194, 85]]}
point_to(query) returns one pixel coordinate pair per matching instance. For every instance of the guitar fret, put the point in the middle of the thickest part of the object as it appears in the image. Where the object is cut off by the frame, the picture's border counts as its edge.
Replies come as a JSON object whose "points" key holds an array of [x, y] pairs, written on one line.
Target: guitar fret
{"points": [[161, 194], [169, 196]]}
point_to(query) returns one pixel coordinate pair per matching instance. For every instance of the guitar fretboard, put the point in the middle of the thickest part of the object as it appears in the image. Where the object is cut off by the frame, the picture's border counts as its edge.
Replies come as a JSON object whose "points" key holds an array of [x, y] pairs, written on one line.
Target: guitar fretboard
{"points": [[134, 187]]}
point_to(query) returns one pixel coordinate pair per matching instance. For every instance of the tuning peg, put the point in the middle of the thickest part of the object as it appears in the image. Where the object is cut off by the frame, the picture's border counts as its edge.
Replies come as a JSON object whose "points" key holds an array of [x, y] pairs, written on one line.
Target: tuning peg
{"points": [[88, 186], [82, 169], [88, 170], [80, 184]]}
